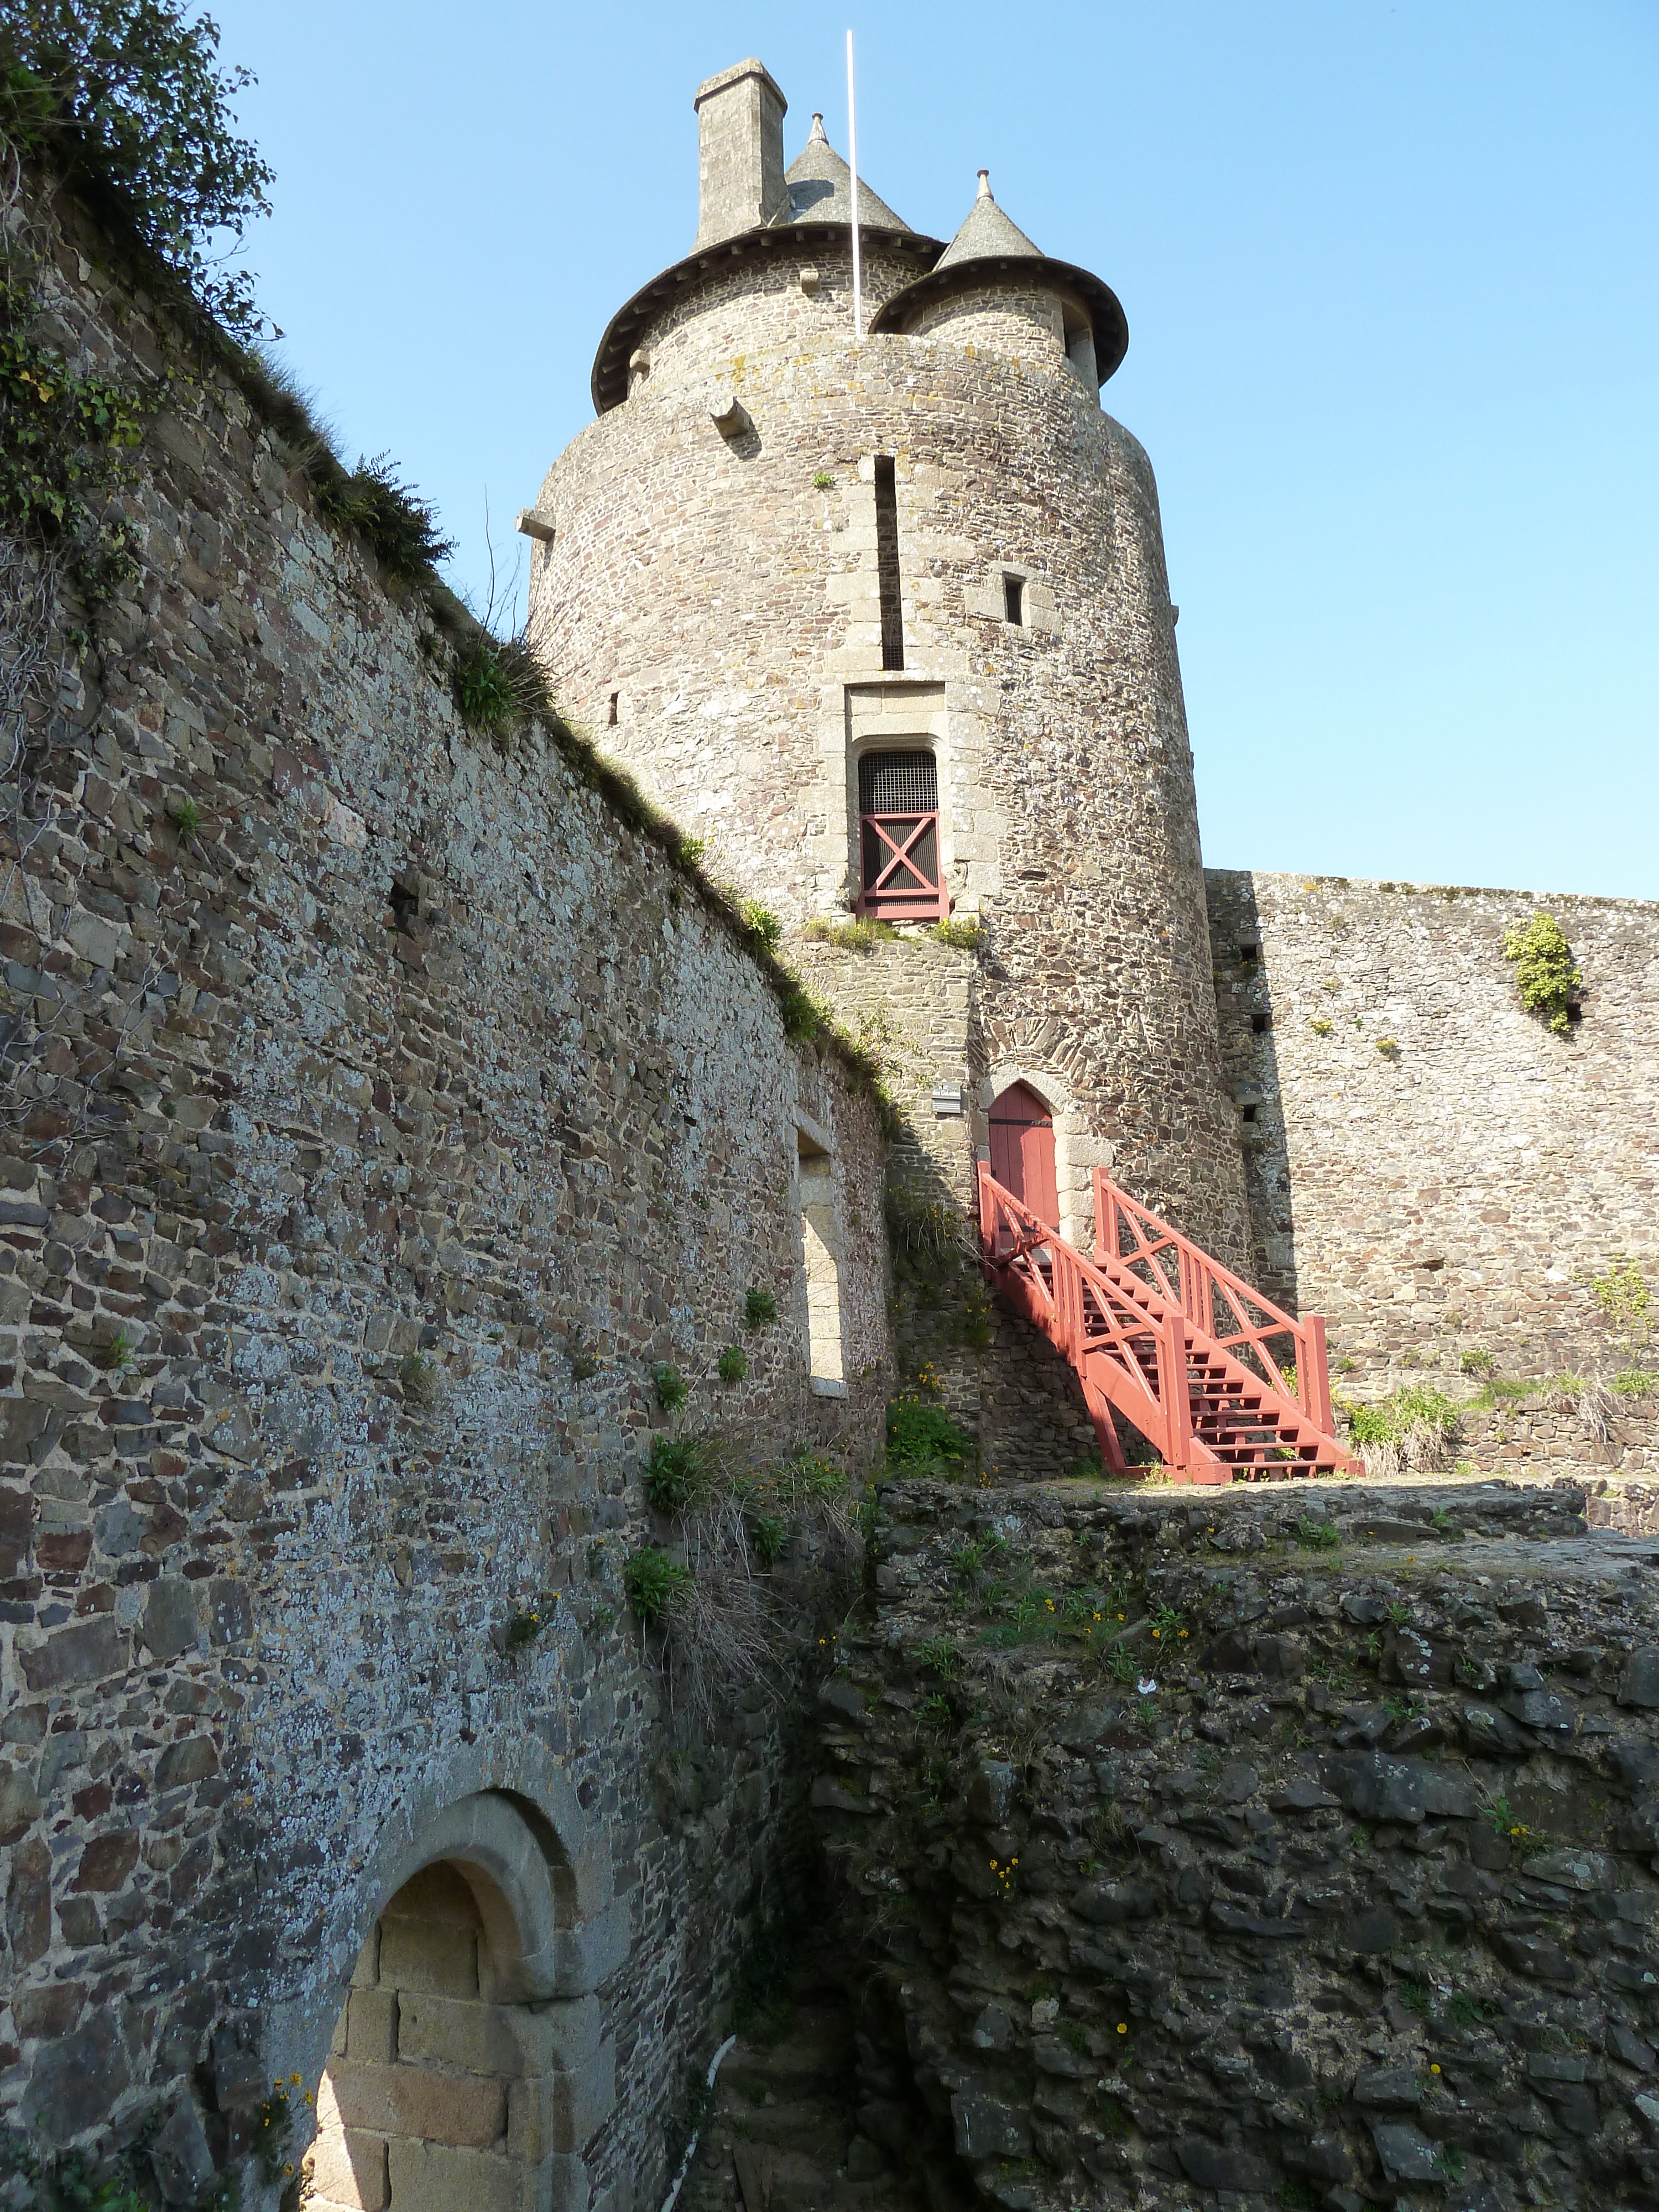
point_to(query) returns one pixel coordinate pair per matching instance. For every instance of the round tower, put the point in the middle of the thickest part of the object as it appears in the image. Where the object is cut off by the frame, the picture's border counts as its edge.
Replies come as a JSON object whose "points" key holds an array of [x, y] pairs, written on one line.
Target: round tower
{"points": [[887, 623]]}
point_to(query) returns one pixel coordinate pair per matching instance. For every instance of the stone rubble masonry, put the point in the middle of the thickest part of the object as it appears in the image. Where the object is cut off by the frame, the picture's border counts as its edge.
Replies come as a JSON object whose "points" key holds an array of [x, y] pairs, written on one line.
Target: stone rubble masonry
{"points": [[1451, 1192], [433, 1084], [709, 609], [1331, 1870]]}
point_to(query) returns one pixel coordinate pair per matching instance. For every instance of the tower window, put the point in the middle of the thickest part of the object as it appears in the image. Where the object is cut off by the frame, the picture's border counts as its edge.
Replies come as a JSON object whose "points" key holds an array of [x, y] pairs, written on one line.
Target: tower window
{"points": [[610, 710], [901, 878], [887, 563], [1013, 599]]}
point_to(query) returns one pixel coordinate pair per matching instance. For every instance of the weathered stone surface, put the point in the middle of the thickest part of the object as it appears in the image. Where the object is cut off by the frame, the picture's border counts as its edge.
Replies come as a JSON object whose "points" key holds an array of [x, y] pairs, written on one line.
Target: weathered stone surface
{"points": [[402, 1118], [1228, 1921], [1404, 1193]]}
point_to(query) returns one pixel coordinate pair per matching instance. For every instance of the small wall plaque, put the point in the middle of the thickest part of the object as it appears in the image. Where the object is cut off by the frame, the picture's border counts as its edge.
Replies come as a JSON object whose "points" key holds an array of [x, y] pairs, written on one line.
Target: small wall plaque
{"points": [[947, 1099]]}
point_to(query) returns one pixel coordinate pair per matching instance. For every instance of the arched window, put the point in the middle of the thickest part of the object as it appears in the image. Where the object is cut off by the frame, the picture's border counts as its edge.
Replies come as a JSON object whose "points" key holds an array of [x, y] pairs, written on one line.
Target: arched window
{"points": [[902, 877], [1022, 1151]]}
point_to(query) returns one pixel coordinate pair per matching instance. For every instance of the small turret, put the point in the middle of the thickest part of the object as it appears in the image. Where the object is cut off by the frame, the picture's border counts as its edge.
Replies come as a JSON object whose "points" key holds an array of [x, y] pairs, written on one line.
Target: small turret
{"points": [[992, 286]]}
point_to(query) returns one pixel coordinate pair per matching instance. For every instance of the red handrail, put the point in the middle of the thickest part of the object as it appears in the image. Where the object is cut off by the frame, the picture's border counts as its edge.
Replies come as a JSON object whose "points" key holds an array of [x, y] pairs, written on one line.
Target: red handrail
{"points": [[1126, 1331], [1205, 1287]]}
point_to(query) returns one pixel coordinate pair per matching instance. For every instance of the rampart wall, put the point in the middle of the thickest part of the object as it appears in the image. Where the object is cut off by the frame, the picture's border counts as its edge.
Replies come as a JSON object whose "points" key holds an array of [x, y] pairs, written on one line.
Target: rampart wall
{"points": [[394, 1108], [1429, 1164]]}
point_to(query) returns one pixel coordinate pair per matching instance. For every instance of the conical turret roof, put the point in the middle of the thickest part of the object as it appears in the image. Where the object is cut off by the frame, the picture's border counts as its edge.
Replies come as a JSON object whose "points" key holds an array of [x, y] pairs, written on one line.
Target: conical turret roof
{"points": [[986, 231], [989, 246], [821, 189]]}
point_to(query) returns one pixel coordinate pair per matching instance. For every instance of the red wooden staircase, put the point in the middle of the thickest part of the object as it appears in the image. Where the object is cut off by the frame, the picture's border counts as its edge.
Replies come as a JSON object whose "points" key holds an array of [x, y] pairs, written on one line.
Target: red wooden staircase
{"points": [[1221, 1383]]}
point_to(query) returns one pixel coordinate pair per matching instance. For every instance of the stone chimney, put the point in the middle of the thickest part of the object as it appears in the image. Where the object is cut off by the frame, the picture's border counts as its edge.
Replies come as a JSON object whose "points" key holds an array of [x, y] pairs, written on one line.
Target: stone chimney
{"points": [[740, 152]]}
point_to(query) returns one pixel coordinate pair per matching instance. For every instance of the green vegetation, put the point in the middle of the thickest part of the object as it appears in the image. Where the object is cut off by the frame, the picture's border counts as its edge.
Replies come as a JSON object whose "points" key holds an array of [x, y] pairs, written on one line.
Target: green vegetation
{"points": [[127, 101], [1414, 1428], [186, 819], [419, 1377], [1314, 1535], [1626, 1299], [400, 529], [1475, 1362], [1388, 1047], [759, 1310], [823, 481], [941, 1656], [761, 924], [651, 1581], [115, 1358], [732, 1364], [673, 1473], [1321, 1027], [1544, 969], [924, 1439], [767, 1532], [522, 1629], [668, 1387], [931, 1230], [803, 1016], [851, 936], [1637, 1382], [968, 935]]}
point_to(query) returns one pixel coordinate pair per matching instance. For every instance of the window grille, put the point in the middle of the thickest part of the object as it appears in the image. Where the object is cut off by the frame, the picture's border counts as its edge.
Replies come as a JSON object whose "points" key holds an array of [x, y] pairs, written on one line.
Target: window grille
{"points": [[901, 878], [898, 783]]}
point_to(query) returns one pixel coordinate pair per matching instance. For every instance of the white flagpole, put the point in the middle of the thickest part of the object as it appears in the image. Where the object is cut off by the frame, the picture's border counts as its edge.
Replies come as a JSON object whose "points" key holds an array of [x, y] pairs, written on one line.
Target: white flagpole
{"points": [[852, 164]]}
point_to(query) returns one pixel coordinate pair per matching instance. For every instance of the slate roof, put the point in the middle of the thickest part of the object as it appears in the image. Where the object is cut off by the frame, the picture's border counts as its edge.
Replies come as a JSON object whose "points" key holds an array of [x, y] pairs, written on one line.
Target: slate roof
{"points": [[821, 189]]}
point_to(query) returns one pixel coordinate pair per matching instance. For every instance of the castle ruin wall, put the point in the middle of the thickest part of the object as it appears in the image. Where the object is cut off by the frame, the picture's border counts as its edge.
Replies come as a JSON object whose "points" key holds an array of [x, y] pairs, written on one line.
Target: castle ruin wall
{"points": [[396, 1108], [1429, 1165]]}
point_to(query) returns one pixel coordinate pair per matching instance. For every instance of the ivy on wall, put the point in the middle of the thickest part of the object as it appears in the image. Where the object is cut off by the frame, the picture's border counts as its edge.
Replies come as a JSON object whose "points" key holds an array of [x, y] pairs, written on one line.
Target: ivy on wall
{"points": [[1544, 969]]}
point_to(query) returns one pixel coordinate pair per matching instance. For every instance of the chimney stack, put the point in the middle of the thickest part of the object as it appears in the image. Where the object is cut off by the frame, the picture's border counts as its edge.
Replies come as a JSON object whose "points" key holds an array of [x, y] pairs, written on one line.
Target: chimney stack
{"points": [[740, 152]]}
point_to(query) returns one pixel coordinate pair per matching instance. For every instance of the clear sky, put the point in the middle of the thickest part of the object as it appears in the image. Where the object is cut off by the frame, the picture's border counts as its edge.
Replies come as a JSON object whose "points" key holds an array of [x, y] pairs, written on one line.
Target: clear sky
{"points": [[1390, 277]]}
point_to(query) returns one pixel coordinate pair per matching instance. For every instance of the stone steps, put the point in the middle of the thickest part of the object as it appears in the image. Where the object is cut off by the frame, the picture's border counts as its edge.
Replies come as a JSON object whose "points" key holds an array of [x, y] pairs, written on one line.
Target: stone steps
{"points": [[783, 2129]]}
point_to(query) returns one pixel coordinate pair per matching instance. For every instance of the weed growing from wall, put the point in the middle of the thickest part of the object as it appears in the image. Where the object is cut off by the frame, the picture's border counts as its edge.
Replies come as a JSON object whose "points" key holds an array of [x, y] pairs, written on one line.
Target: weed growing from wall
{"points": [[650, 1580], [673, 1473], [1544, 969], [1415, 1429], [399, 527]]}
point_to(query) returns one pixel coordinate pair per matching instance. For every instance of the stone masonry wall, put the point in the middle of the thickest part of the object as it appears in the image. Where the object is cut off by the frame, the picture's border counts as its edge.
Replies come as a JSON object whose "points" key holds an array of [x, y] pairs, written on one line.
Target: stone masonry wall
{"points": [[1291, 1845], [1429, 1166], [910, 1001], [390, 1127]]}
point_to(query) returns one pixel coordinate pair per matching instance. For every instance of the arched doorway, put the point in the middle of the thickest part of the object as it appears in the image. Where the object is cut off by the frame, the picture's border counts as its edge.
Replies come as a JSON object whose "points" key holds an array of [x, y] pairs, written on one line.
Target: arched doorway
{"points": [[468, 2066], [1022, 1150]]}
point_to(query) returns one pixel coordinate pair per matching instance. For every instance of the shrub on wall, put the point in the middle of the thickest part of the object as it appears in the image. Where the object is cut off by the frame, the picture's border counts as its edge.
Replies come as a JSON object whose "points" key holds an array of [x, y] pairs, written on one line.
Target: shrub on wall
{"points": [[1544, 969]]}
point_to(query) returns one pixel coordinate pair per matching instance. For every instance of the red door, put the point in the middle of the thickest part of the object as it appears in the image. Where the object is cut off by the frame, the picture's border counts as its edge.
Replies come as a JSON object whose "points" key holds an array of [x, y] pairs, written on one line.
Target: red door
{"points": [[1022, 1151]]}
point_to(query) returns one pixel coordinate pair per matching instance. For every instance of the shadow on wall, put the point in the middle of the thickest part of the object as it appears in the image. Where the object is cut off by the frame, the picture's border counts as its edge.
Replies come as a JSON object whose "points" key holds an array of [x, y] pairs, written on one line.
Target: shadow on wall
{"points": [[1250, 1063]]}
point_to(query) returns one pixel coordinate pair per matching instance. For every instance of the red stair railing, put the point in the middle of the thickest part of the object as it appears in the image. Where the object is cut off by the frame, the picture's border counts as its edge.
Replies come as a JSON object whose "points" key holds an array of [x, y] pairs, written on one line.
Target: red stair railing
{"points": [[1202, 1401], [1219, 1301]]}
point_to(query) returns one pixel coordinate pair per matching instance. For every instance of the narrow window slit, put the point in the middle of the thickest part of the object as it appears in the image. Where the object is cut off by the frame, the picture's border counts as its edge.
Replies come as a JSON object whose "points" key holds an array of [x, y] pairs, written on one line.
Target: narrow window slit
{"points": [[887, 563], [1013, 599], [611, 711]]}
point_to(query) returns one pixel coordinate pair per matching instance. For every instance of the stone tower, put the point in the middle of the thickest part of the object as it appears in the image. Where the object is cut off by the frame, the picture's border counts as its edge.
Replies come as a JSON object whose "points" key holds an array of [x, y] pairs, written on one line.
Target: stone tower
{"points": [[887, 623]]}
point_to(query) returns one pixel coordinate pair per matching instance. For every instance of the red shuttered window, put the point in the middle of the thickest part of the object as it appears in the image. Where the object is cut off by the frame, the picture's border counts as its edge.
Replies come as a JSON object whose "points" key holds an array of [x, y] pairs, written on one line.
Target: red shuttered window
{"points": [[900, 872]]}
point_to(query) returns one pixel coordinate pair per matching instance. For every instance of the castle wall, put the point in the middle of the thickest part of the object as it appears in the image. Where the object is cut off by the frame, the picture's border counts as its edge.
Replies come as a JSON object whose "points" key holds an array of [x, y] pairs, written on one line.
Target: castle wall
{"points": [[730, 603], [390, 1125], [1429, 1166]]}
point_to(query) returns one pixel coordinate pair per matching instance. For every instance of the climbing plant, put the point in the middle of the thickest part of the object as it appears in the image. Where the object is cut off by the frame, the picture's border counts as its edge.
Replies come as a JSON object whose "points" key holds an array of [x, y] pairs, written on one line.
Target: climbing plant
{"points": [[1543, 968]]}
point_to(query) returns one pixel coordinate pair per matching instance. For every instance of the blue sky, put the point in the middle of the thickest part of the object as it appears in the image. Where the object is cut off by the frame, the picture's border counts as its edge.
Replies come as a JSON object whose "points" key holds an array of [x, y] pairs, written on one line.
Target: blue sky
{"points": [[1390, 277]]}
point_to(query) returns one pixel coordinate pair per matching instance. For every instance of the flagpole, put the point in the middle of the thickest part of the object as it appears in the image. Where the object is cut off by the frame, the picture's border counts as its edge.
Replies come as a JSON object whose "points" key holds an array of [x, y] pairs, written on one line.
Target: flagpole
{"points": [[852, 164]]}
